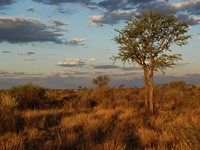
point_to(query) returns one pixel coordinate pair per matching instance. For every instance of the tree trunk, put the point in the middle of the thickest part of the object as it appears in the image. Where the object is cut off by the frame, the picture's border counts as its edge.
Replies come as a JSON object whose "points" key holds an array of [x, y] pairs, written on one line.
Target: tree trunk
{"points": [[146, 88], [151, 94]]}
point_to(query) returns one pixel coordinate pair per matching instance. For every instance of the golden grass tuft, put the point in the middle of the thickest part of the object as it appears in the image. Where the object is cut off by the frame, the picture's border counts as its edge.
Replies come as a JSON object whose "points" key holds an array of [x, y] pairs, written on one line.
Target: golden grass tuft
{"points": [[147, 137]]}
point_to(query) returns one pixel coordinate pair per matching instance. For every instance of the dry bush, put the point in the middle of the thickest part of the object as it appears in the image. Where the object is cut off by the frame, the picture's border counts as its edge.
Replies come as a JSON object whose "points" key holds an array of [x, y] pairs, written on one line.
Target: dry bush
{"points": [[148, 137], [43, 118], [112, 145], [11, 122], [7, 102], [11, 141]]}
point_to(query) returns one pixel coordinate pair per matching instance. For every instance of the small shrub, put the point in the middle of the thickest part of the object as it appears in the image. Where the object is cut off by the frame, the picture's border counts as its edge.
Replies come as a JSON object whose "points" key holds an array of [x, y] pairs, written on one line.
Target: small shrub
{"points": [[177, 84], [8, 102], [28, 95], [101, 81]]}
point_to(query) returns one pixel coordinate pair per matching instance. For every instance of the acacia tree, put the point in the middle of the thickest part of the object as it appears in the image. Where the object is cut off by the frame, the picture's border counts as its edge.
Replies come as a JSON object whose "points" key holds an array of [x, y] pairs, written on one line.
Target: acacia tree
{"points": [[146, 41], [101, 80]]}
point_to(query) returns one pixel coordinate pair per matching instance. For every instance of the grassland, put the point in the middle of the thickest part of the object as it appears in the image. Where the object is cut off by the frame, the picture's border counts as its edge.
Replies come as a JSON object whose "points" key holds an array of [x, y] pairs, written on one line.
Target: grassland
{"points": [[35, 118]]}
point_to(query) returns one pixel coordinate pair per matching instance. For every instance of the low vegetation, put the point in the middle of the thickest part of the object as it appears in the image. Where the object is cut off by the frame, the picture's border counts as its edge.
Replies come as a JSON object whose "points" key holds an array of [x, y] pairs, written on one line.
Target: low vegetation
{"points": [[104, 118]]}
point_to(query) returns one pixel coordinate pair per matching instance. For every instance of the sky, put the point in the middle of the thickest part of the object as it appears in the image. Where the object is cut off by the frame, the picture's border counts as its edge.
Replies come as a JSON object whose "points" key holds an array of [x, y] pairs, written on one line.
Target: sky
{"points": [[64, 44]]}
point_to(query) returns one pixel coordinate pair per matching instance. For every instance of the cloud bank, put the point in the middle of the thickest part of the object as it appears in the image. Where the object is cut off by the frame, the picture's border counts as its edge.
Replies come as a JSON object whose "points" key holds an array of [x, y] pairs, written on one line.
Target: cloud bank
{"points": [[19, 30]]}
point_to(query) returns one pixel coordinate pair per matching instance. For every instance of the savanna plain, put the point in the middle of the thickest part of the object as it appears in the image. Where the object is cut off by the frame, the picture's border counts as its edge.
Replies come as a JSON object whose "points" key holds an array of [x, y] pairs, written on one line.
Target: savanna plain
{"points": [[104, 118]]}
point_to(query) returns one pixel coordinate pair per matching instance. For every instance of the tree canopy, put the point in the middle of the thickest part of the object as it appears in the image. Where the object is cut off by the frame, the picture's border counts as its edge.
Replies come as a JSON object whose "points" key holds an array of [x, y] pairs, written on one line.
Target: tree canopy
{"points": [[101, 81], [149, 36]]}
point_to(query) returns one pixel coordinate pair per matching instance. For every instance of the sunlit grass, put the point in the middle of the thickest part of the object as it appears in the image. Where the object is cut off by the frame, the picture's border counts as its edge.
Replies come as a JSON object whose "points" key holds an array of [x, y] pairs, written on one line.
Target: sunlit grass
{"points": [[104, 119]]}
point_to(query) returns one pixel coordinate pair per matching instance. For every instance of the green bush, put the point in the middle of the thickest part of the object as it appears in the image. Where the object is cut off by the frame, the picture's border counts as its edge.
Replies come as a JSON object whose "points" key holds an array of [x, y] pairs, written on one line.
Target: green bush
{"points": [[28, 95]]}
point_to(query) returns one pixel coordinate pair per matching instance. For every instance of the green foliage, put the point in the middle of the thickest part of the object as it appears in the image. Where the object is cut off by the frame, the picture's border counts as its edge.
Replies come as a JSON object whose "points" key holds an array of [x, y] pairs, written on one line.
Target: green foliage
{"points": [[196, 86], [147, 37], [101, 81], [28, 95], [177, 84]]}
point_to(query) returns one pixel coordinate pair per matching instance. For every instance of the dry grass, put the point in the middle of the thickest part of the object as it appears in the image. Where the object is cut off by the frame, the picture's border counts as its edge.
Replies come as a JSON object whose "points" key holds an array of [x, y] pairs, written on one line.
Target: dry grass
{"points": [[105, 119]]}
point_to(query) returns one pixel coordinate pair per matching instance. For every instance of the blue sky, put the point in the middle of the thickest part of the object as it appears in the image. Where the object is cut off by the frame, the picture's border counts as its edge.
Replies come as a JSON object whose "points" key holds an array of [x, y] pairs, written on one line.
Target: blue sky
{"points": [[63, 44]]}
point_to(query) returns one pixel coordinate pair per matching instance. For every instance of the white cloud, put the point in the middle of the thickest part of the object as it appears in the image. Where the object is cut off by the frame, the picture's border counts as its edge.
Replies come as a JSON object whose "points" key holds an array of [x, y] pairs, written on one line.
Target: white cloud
{"points": [[103, 66], [55, 24], [48, 74], [28, 59], [111, 17], [10, 73], [95, 20], [64, 76], [88, 26], [59, 23], [196, 37], [75, 8], [92, 7], [182, 64], [73, 59], [190, 19], [177, 75], [64, 29], [29, 53], [31, 9], [190, 5], [78, 59], [108, 49], [100, 64], [70, 64], [93, 59], [76, 41], [125, 74]]}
